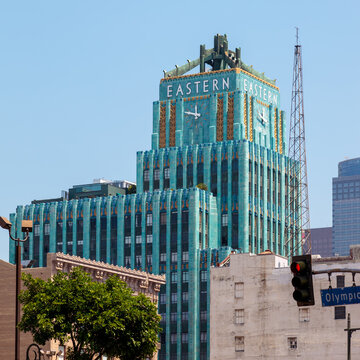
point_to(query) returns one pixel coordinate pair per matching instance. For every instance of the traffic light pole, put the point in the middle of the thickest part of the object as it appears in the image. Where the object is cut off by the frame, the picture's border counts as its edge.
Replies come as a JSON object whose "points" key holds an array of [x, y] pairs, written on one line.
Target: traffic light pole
{"points": [[349, 333]]}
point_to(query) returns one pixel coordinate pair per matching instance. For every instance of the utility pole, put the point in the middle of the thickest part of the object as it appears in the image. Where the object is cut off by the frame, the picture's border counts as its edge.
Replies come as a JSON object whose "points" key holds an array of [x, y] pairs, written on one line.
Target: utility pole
{"points": [[349, 333], [298, 219]]}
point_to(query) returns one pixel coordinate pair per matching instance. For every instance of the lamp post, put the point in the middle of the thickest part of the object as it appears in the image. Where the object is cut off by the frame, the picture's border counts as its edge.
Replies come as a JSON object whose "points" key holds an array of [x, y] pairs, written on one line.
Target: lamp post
{"points": [[26, 227], [34, 352]]}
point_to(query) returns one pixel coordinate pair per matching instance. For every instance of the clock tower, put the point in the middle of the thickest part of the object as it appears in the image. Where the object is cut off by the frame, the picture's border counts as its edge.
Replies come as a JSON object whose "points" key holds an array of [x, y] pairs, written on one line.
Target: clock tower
{"points": [[231, 101], [222, 130]]}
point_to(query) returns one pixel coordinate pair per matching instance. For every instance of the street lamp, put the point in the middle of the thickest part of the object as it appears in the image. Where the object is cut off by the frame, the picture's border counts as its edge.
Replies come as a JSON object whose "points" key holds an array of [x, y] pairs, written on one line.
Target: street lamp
{"points": [[34, 351], [26, 227]]}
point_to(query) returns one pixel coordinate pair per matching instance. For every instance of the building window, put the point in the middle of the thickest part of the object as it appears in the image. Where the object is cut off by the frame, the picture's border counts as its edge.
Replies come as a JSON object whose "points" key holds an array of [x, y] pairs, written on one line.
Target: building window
{"points": [[203, 336], [239, 343], [138, 220], [184, 338], [162, 298], [127, 260], [239, 316], [163, 218], [174, 277], [149, 238], [162, 257], [185, 296], [149, 259], [167, 173], [185, 256], [185, 276], [203, 276], [340, 312], [46, 229], [36, 230], [138, 239], [239, 290], [174, 257], [224, 219], [340, 281], [173, 338], [127, 239], [185, 316], [292, 343], [173, 317], [62, 352], [163, 317], [156, 174], [138, 260], [203, 315], [146, 175], [148, 219], [174, 298], [304, 315]]}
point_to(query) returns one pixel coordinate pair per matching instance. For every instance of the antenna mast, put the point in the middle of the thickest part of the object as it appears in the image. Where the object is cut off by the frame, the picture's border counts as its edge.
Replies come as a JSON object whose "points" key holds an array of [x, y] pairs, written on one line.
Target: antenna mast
{"points": [[299, 214]]}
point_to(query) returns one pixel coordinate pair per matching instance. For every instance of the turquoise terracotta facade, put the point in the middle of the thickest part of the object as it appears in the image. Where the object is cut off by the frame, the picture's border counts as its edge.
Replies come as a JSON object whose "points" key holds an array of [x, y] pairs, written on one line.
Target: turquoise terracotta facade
{"points": [[222, 129]]}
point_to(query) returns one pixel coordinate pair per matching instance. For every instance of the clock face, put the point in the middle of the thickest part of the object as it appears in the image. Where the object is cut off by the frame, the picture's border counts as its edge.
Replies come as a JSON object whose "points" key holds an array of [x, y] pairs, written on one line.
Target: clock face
{"points": [[196, 113], [262, 114]]}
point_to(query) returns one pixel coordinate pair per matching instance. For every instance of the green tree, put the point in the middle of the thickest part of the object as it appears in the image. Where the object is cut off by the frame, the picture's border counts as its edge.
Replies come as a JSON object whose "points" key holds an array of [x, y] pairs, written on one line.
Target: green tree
{"points": [[202, 186], [96, 318], [131, 189]]}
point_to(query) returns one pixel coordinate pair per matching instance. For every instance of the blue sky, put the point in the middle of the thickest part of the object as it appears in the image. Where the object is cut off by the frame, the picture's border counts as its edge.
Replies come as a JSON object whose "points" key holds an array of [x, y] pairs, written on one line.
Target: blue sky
{"points": [[78, 78]]}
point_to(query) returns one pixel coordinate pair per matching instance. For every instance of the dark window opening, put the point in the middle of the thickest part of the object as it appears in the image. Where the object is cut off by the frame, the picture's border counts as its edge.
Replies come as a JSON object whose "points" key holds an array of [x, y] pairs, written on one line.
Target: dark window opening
{"points": [[340, 312], [69, 237], [103, 228], [179, 176], [200, 173], [113, 240], [93, 238], [189, 175], [213, 173]]}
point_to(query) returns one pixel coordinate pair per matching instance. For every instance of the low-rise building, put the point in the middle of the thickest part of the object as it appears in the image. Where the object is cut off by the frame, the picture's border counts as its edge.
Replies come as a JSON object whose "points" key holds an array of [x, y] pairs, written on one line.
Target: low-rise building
{"points": [[138, 281], [253, 314]]}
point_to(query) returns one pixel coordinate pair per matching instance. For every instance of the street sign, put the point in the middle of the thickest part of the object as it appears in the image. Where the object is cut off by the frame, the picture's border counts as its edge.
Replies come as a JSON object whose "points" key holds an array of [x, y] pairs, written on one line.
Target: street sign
{"points": [[340, 296]]}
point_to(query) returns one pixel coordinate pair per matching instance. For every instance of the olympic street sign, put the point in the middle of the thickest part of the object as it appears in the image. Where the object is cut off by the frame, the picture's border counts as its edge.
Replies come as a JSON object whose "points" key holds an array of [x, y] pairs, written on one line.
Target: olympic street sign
{"points": [[341, 296]]}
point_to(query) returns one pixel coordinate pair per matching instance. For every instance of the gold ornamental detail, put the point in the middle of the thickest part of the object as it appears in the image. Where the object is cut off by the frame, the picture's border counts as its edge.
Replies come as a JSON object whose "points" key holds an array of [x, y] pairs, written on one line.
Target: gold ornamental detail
{"points": [[245, 117], [220, 119], [280, 134], [162, 137], [230, 118], [275, 129], [172, 125], [251, 119]]}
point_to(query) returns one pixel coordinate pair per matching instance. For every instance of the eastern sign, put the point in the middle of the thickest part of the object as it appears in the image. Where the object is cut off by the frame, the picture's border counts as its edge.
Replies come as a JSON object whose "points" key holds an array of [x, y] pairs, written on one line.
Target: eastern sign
{"points": [[197, 86], [341, 296], [210, 83]]}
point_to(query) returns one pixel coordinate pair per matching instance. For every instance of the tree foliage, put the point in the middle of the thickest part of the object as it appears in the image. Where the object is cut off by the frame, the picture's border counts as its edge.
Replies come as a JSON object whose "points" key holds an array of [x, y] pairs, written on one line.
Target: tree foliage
{"points": [[97, 318], [202, 186], [131, 189]]}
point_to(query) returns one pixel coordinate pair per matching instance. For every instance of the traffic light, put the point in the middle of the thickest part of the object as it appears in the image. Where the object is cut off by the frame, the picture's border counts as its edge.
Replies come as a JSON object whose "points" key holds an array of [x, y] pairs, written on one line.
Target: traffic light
{"points": [[302, 280]]}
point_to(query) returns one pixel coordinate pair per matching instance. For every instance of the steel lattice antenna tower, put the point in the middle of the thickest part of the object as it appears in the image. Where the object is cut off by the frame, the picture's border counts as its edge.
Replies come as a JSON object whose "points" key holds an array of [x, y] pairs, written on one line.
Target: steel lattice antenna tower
{"points": [[299, 215]]}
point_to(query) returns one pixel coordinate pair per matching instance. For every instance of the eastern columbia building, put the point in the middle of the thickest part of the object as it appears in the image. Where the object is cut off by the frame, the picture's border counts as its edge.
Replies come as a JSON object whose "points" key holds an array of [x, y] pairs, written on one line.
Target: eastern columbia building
{"points": [[214, 181]]}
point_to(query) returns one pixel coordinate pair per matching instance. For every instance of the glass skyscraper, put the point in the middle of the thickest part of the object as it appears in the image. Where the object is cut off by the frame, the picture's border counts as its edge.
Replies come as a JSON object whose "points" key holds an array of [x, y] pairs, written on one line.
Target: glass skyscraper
{"points": [[215, 179], [346, 206]]}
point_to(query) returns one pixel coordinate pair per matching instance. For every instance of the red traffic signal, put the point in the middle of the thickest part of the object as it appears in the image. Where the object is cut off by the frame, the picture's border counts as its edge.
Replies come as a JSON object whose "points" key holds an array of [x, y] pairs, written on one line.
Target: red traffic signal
{"points": [[302, 280]]}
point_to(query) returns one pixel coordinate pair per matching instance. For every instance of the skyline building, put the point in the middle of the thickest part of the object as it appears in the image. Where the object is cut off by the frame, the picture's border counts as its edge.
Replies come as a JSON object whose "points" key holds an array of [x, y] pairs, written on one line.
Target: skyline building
{"points": [[214, 181], [321, 242], [346, 206]]}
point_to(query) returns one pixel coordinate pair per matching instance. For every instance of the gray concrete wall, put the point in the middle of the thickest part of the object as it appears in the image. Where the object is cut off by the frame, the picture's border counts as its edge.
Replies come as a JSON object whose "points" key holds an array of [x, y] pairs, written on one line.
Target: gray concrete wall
{"points": [[271, 316]]}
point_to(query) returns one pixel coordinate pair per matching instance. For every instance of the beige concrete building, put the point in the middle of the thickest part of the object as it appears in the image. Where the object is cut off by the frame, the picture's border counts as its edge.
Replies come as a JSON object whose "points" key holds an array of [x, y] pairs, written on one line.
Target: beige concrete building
{"points": [[138, 281], [253, 314]]}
